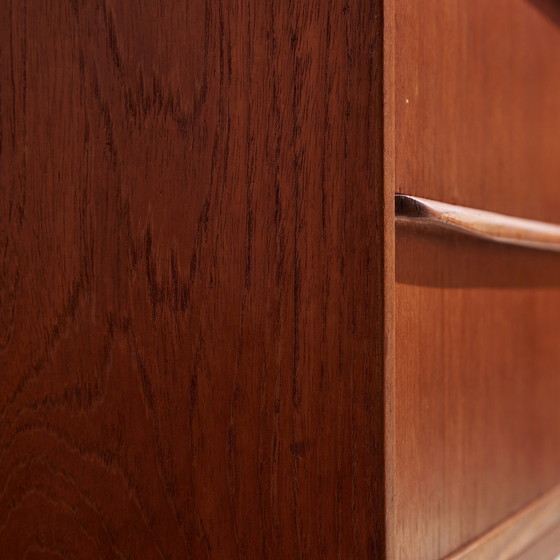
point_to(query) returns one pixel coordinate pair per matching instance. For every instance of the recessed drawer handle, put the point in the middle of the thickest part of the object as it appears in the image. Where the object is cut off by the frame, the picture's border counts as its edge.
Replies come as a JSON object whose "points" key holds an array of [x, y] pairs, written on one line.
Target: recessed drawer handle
{"points": [[479, 223]]}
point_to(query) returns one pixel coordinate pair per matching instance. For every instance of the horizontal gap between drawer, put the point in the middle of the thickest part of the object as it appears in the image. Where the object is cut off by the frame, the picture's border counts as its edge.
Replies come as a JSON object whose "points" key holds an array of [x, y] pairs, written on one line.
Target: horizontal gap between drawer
{"points": [[517, 532]]}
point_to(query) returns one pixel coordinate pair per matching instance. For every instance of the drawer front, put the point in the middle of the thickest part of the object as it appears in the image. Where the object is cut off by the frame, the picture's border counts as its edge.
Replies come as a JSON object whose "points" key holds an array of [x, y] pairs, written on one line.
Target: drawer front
{"points": [[477, 104], [478, 386], [477, 324]]}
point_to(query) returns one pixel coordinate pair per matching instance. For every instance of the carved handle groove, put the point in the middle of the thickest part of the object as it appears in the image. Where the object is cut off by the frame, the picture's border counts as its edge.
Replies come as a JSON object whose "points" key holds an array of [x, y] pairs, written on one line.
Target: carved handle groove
{"points": [[479, 223]]}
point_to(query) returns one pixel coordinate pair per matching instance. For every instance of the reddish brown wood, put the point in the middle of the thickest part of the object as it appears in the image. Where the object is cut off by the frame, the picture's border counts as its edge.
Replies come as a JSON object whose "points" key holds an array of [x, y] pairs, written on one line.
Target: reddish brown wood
{"points": [[481, 224], [533, 528], [191, 320], [477, 113], [477, 121], [546, 547], [477, 387]]}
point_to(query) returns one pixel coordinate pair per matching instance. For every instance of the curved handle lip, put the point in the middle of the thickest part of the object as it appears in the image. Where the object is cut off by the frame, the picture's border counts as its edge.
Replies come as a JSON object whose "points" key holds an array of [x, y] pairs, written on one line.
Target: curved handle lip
{"points": [[491, 226]]}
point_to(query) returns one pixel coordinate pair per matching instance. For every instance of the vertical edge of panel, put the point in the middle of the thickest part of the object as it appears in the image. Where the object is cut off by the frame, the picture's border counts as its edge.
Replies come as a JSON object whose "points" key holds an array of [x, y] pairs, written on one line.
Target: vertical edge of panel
{"points": [[389, 171]]}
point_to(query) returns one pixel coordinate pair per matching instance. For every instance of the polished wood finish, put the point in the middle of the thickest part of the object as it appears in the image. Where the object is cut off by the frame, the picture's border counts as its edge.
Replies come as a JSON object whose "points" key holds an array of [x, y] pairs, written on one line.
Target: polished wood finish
{"points": [[478, 223], [520, 535], [545, 548], [477, 386], [213, 344], [477, 104], [477, 121], [192, 270]]}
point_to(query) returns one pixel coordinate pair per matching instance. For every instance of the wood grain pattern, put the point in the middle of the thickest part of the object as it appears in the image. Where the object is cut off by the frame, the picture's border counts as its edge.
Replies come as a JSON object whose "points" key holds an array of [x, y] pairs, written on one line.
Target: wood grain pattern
{"points": [[477, 343], [389, 161], [477, 110], [477, 386], [191, 241]]}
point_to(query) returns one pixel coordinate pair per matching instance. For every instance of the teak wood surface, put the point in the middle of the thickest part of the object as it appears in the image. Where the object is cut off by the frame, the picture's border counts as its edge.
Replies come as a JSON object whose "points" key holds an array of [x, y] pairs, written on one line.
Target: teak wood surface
{"points": [[213, 342], [477, 112], [481, 224], [192, 257], [477, 386]]}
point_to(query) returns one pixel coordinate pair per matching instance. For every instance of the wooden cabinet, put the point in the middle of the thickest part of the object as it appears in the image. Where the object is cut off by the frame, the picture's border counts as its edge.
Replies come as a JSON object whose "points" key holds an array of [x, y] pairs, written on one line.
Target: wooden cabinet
{"points": [[477, 341], [216, 341]]}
